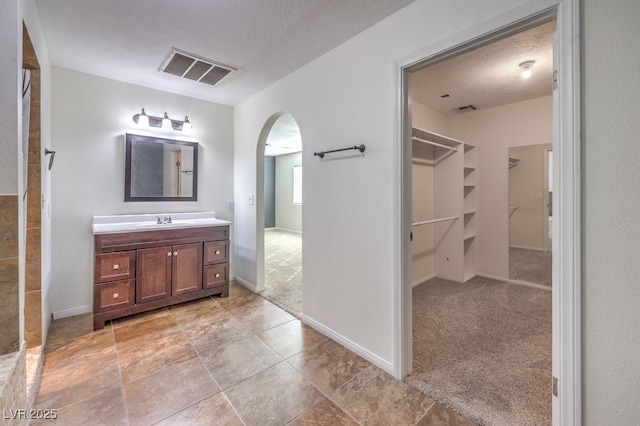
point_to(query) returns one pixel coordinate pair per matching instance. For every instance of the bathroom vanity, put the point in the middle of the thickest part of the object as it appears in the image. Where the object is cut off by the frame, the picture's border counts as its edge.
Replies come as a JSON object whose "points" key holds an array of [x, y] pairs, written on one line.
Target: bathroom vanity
{"points": [[144, 262]]}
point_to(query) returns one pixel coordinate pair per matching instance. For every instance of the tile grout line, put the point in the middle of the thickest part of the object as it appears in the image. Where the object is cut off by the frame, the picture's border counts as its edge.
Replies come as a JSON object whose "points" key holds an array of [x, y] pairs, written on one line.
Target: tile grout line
{"points": [[124, 396]]}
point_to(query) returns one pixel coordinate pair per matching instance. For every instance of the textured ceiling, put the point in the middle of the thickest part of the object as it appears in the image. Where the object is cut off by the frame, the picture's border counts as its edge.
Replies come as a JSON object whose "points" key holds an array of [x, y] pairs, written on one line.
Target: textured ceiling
{"points": [[284, 137], [127, 40], [490, 75]]}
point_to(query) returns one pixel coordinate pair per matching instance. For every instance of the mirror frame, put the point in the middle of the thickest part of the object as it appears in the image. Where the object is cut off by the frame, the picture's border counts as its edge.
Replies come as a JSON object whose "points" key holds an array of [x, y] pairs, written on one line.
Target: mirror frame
{"points": [[129, 139]]}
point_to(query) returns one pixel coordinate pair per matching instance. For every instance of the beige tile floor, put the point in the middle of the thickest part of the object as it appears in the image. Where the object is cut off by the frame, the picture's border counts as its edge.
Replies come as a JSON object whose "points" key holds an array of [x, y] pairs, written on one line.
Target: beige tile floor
{"points": [[232, 361]]}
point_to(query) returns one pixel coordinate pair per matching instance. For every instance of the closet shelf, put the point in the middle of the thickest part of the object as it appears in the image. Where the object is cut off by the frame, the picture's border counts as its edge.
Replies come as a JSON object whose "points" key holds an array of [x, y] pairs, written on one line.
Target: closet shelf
{"points": [[435, 144], [469, 236], [435, 139], [468, 212], [470, 185], [469, 168], [428, 222]]}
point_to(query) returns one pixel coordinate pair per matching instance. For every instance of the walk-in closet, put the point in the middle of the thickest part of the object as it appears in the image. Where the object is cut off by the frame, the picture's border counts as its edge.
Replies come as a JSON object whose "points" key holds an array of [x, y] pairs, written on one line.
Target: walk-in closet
{"points": [[481, 137]]}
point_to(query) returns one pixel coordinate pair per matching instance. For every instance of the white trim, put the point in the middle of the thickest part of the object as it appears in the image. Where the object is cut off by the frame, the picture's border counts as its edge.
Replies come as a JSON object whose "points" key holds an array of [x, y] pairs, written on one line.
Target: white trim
{"points": [[567, 362], [369, 356], [284, 229], [517, 282], [254, 288], [527, 248], [567, 240], [73, 311], [422, 280]]}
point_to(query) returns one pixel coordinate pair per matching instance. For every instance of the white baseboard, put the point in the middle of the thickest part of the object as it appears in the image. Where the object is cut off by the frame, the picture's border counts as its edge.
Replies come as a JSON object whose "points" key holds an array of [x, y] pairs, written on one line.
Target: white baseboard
{"points": [[422, 280], [527, 248], [518, 282], [247, 284], [372, 358], [73, 311], [287, 230]]}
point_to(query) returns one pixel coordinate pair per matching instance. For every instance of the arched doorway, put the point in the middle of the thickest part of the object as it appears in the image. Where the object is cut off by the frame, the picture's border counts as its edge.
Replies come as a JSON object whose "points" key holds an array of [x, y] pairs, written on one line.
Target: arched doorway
{"points": [[279, 212]]}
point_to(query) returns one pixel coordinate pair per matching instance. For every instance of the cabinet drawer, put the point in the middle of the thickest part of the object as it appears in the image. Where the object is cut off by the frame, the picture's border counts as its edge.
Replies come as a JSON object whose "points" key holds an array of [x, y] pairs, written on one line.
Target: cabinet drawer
{"points": [[115, 266], [216, 252], [215, 275], [118, 294]]}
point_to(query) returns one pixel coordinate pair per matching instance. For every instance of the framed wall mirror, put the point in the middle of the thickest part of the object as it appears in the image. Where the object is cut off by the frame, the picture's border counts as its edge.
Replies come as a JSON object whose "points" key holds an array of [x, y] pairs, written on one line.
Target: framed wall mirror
{"points": [[159, 169]]}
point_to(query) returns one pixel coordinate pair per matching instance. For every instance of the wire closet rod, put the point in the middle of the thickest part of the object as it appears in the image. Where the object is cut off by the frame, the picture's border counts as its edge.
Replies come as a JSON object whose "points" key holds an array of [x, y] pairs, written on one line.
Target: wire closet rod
{"points": [[439, 145], [321, 154], [427, 222]]}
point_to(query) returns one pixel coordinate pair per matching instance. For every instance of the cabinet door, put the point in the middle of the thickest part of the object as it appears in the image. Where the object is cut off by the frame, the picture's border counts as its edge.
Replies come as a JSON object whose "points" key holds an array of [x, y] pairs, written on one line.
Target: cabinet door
{"points": [[187, 269], [153, 280]]}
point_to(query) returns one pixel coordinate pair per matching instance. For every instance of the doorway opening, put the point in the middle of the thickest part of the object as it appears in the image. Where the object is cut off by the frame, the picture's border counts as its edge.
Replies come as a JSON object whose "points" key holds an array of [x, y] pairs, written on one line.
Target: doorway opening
{"points": [[470, 222], [282, 219]]}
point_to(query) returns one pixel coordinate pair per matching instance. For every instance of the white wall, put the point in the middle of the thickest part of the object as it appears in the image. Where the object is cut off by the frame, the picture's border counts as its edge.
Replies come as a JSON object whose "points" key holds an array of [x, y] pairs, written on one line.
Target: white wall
{"points": [[493, 131], [611, 202], [90, 116], [422, 188], [343, 98], [288, 215]]}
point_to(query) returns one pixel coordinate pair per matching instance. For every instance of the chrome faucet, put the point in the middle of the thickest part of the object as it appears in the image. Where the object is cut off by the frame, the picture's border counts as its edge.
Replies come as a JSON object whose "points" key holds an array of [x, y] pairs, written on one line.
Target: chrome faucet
{"points": [[159, 221]]}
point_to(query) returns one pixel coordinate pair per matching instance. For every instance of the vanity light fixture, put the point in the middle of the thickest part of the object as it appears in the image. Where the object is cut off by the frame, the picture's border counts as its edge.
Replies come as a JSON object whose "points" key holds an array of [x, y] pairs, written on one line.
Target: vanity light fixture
{"points": [[186, 126], [526, 68], [165, 123]]}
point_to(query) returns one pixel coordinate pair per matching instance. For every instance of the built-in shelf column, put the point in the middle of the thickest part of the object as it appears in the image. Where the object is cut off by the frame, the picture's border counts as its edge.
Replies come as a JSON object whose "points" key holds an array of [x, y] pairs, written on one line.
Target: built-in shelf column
{"points": [[469, 207]]}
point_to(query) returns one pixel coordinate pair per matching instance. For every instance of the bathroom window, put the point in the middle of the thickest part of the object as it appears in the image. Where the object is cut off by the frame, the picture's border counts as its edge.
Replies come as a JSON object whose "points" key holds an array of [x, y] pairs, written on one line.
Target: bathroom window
{"points": [[297, 185]]}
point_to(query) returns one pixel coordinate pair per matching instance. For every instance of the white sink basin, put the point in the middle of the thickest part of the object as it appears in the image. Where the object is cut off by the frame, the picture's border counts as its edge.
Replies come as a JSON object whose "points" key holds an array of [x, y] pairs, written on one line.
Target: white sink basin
{"points": [[148, 222]]}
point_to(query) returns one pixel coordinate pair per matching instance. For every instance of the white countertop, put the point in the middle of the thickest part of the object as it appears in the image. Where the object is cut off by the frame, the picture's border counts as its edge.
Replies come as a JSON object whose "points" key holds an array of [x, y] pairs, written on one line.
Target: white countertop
{"points": [[148, 222]]}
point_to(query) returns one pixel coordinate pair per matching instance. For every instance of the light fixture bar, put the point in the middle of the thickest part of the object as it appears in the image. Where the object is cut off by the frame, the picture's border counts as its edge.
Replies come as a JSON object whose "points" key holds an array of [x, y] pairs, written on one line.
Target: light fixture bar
{"points": [[142, 119]]}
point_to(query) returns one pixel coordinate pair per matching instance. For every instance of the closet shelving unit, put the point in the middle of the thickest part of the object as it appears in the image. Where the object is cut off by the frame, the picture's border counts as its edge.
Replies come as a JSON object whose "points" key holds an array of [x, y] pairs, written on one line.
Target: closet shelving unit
{"points": [[451, 220], [470, 202]]}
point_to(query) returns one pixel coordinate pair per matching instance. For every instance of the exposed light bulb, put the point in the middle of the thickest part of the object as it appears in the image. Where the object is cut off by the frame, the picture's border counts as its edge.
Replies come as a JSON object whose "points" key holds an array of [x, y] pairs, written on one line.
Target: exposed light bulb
{"points": [[526, 68]]}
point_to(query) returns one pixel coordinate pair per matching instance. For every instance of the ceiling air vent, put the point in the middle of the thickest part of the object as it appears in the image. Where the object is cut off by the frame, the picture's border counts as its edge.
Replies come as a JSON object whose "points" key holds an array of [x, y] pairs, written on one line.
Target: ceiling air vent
{"points": [[195, 68], [466, 108]]}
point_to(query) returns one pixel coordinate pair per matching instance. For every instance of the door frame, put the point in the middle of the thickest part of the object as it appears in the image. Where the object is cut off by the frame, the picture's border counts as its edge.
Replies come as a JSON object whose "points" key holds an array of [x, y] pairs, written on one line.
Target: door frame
{"points": [[566, 292]]}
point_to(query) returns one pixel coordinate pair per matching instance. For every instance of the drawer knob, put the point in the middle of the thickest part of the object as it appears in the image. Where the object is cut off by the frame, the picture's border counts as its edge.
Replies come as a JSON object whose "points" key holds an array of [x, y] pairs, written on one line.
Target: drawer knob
{"points": [[115, 295], [116, 266], [217, 275], [175, 253], [217, 251], [169, 254]]}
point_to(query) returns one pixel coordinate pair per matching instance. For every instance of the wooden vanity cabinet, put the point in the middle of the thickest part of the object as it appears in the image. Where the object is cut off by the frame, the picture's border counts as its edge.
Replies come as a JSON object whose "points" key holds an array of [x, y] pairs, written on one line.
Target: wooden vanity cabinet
{"points": [[139, 271]]}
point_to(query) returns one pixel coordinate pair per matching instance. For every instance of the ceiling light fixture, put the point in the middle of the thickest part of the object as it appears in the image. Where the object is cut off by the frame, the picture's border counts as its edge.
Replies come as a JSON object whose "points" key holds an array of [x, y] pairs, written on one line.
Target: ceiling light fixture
{"points": [[526, 68], [165, 123]]}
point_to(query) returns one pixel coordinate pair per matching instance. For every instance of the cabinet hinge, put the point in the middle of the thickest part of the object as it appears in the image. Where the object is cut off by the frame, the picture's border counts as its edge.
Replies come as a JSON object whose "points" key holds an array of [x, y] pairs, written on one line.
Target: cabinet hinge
{"points": [[555, 386], [554, 82], [411, 236]]}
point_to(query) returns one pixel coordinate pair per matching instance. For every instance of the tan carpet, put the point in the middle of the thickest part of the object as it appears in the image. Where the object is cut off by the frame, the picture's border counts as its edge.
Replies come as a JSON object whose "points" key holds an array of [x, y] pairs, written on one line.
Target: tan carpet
{"points": [[483, 349], [533, 266], [283, 269]]}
